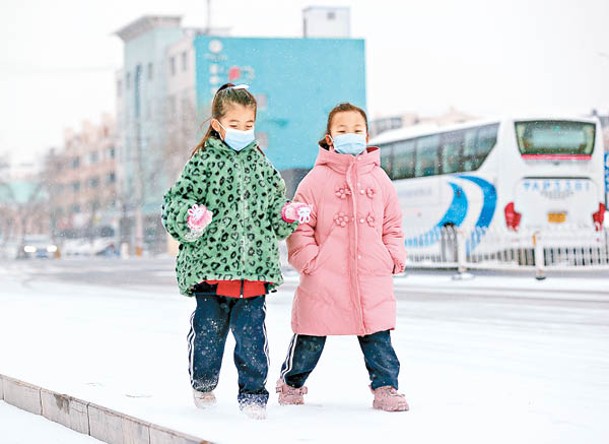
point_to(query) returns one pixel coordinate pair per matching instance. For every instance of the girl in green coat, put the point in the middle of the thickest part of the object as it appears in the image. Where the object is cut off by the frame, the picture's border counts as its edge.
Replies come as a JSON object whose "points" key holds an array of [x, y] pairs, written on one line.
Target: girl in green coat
{"points": [[228, 209]]}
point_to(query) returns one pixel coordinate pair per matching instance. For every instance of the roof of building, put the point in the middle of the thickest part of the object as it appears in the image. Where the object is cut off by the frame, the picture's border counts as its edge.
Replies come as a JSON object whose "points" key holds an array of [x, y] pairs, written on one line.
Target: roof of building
{"points": [[147, 23], [20, 192]]}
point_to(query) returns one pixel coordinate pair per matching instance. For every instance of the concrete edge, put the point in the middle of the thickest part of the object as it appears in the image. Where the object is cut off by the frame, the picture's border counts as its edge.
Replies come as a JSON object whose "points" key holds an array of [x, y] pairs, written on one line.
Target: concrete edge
{"points": [[88, 418]]}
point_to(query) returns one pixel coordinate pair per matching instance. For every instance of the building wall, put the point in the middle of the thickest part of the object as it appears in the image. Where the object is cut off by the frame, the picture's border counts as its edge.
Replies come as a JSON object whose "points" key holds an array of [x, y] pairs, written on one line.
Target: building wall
{"points": [[144, 106], [82, 181], [182, 119], [326, 21], [296, 81], [143, 171]]}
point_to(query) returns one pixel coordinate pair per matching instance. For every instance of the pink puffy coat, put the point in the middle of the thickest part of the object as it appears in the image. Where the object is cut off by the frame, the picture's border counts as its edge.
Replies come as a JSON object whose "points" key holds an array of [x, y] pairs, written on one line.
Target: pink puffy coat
{"points": [[347, 253]]}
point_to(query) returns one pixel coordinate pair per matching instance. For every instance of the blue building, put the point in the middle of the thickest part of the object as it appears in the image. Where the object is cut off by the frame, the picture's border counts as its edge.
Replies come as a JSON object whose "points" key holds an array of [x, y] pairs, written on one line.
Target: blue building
{"points": [[165, 90], [297, 81]]}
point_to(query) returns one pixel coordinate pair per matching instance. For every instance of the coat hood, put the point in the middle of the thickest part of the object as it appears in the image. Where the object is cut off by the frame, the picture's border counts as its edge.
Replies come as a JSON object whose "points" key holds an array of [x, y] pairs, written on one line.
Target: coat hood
{"points": [[342, 162]]}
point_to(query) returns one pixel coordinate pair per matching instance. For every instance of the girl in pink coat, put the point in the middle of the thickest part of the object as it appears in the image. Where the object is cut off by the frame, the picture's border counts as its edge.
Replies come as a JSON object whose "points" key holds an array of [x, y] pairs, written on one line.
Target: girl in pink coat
{"points": [[346, 256]]}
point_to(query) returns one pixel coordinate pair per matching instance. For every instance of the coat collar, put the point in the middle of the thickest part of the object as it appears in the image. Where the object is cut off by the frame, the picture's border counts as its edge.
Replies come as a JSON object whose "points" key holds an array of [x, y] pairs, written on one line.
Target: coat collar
{"points": [[340, 163]]}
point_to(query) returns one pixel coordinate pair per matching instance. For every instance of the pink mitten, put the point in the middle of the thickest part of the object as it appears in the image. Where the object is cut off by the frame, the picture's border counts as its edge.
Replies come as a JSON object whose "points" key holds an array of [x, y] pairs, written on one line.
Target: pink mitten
{"points": [[296, 211], [199, 217], [398, 268]]}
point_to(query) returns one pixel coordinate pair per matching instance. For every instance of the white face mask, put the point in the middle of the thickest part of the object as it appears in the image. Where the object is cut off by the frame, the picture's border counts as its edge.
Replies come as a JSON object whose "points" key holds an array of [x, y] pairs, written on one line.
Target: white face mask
{"points": [[238, 139], [350, 143]]}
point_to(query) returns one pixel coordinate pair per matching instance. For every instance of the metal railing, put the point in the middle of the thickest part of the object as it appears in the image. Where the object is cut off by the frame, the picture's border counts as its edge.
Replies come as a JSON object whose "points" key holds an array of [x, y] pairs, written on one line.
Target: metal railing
{"points": [[564, 248]]}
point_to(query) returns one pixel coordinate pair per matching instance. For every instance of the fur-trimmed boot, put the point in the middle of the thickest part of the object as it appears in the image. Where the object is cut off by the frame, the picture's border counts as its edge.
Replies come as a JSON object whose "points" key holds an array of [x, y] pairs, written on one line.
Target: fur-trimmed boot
{"points": [[203, 400], [290, 395], [388, 399]]}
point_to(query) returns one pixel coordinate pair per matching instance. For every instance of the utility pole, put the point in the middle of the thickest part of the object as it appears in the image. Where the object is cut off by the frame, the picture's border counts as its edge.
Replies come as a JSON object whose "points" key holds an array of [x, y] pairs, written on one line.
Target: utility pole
{"points": [[139, 170], [208, 26]]}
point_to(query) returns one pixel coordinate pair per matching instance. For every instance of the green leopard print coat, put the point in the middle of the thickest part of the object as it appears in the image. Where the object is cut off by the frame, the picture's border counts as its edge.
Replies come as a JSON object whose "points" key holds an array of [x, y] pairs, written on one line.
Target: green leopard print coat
{"points": [[245, 193]]}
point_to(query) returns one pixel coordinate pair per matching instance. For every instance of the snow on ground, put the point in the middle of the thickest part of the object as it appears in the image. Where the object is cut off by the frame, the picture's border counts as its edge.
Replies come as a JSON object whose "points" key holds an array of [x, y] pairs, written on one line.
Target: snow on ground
{"points": [[475, 368], [20, 427]]}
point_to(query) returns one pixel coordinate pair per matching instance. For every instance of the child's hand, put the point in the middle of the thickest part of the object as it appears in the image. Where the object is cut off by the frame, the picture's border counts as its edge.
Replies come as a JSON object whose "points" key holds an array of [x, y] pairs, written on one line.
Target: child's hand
{"points": [[398, 268], [199, 217], [296, 211]]}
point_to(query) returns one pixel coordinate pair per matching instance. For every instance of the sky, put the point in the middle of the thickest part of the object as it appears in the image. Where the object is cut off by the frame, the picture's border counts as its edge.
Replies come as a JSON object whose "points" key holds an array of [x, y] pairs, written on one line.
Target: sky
{"points": [[58, 59]]}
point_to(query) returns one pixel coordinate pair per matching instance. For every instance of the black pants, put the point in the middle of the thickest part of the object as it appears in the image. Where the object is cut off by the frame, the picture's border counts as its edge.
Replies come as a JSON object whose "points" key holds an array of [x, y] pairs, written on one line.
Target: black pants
{"points": [[209, 326], [379, 356]]}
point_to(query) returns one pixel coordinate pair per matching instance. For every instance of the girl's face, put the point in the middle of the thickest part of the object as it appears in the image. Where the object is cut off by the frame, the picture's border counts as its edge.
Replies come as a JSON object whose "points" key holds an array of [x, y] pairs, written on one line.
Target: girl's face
{"points": [[237, 116], [346, 122]]}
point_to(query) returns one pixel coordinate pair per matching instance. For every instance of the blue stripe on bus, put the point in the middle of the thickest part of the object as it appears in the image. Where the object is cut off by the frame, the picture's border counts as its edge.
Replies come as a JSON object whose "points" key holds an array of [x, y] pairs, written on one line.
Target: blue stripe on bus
{"points": [[489, 193], [455, 214]]}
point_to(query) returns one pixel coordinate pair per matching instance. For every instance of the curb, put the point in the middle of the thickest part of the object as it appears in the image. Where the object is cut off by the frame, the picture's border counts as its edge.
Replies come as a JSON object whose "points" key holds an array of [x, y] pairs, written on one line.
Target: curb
{"points": [[85, 417]]}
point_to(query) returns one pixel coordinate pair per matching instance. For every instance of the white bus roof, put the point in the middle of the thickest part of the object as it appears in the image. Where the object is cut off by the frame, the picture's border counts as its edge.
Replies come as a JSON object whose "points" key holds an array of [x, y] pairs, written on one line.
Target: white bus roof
{"points": [[410, 132]]}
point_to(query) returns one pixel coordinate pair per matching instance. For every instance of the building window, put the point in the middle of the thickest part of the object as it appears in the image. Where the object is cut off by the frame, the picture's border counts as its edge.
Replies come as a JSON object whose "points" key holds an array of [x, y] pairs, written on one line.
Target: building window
{"points": [[76, 187], [93, 182], [150, 71], [331, 15], [185, 61], [111, 178], [112, 152], [75, 162], [128, 80], [93, 157], [172, 66]]}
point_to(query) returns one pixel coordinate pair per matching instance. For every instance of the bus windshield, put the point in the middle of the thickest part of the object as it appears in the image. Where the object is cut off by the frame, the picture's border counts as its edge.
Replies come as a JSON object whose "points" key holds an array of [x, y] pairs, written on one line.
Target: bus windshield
{"points": [[555, 137]]}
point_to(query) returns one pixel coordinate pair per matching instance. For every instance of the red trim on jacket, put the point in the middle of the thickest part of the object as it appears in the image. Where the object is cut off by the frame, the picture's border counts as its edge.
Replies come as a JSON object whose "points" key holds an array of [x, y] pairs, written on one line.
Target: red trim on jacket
{"points": [[235, 289]]}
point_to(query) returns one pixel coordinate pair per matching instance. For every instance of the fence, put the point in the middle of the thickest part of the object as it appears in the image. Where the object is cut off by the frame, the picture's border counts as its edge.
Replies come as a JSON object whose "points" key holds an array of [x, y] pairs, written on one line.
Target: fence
{"points": [[560, 249]]}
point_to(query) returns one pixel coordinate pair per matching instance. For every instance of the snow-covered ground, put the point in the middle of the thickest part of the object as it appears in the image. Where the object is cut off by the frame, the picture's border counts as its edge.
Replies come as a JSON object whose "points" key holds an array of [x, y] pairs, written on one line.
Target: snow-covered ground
{"points": [[20, 427], [496, 359]]}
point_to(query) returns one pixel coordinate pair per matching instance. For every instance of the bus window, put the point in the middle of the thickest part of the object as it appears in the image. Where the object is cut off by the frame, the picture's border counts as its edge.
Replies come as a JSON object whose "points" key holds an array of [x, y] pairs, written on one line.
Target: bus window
{"points": [[468, 159], [387, 158], [555, 137], [427, 161], [403, 159], [451, 151], [478, 144]]}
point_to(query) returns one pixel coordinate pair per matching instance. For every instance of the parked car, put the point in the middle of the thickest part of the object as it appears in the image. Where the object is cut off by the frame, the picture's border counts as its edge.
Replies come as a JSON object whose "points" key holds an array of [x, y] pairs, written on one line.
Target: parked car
{"points": [[37, 247], [87, 247]]}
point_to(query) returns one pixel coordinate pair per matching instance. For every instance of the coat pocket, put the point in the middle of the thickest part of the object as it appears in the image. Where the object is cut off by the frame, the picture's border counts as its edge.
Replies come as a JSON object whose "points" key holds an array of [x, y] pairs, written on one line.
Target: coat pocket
{"points": [[320, 259], [377, 259], [323, 254]]}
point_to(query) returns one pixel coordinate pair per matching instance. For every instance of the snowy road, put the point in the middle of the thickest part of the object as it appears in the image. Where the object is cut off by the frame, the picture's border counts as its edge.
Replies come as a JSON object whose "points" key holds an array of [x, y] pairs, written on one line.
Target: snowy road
{"points": [[497, 359]]}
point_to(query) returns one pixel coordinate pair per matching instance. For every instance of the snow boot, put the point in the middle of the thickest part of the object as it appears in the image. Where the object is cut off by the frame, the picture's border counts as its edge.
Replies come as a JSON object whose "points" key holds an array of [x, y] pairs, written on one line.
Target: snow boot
{"points": [[290, 395], [203, 400], [388, 399], [253, 410]]}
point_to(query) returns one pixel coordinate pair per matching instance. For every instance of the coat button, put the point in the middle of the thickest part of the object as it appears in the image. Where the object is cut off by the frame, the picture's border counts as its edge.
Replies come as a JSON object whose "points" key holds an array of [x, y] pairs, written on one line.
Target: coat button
{"points": [[359, 256], [362, 191], [361, 221]]}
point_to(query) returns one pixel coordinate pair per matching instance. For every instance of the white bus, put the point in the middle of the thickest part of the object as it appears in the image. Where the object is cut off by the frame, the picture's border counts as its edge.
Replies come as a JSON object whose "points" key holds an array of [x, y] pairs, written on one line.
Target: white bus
{"points": [[517, 174]]}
